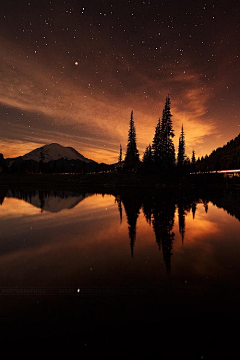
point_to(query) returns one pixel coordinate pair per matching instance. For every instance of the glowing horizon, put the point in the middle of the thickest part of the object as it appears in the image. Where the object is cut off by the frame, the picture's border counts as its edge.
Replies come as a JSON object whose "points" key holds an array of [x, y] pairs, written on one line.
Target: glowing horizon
{"points": [[73, 77]]}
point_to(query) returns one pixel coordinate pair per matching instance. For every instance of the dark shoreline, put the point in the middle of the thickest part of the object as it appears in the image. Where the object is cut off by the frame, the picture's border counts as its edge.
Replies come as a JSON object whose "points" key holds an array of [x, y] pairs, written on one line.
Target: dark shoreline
{"points": [[116, 181]]}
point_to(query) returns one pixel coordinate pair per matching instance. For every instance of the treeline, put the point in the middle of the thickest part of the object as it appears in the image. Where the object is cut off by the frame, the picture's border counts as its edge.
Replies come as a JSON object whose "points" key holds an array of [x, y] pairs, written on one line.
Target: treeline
{"points": [[59, 166], [224, 158], [159, 156]]}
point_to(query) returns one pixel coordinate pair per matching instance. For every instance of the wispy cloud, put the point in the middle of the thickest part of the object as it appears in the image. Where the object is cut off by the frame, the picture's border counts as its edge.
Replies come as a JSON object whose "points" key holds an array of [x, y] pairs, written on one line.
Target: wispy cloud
{"points": [[94, 118]]}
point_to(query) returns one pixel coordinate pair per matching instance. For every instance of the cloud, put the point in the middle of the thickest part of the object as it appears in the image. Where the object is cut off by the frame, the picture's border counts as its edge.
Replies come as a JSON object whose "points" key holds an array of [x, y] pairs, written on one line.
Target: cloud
{"points": [[93, 116]]}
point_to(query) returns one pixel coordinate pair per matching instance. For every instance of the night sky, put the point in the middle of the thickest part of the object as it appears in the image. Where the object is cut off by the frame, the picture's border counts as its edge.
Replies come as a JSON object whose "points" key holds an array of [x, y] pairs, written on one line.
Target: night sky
{"points": [[72, 71]]}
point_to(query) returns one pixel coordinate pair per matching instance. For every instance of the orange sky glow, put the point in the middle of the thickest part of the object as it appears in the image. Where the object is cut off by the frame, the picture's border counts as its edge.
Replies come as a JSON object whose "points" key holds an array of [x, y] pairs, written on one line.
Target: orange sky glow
{"points": [[77, 87]]}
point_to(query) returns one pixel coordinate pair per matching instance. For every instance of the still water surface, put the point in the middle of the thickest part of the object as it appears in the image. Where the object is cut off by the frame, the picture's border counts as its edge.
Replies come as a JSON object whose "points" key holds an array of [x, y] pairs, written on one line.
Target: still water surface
{"points": [[175, 252], [90, 240]]}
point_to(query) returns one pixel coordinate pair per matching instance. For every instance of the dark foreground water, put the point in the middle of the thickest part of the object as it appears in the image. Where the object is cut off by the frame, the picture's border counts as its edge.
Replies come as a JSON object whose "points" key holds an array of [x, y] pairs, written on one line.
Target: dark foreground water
{"points": [[127, 272]]}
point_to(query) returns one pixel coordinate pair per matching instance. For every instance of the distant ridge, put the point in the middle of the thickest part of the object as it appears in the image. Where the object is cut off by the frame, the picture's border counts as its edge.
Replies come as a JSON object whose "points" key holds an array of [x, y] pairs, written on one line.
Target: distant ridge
{"points": [[223, 158]]}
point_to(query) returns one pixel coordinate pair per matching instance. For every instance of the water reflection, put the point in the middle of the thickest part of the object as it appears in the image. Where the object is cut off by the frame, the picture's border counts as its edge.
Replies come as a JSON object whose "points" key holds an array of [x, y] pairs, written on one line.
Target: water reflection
{"points": [[142, 261], [74, 236], [160, 210], [52, 201]]}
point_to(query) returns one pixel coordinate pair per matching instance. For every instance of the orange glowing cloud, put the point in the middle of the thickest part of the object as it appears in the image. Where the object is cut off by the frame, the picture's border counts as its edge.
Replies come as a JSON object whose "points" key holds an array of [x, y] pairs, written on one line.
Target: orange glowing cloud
{"points": [[95, 120]]}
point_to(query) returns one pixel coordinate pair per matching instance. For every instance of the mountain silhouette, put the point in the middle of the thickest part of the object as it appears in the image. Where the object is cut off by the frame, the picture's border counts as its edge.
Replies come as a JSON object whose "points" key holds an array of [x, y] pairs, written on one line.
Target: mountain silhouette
{"points": [[53, 152], [53, 158]]}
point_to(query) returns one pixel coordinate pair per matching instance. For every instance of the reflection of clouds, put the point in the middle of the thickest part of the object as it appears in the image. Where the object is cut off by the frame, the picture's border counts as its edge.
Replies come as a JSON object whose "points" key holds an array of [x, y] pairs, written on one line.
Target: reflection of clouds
{"points": [[14, 208], [72, 242], [24, 213], [203, 225], [55, 248], [205, 240]]}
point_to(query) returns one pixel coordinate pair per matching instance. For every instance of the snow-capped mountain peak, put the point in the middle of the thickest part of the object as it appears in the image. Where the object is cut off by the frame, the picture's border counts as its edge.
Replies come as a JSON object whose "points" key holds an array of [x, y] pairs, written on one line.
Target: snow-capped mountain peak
{"points": [[54, 151]]}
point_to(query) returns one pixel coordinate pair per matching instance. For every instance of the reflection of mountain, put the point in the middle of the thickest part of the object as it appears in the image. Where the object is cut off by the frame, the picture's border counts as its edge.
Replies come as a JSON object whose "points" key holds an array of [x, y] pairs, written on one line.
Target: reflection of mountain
{"points": [[51, 201]]}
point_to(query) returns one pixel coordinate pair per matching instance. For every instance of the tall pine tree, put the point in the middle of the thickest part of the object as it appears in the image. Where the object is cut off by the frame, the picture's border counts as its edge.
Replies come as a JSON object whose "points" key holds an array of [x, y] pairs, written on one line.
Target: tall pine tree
{"points": [[120, 155], [157, 145], [167, 134], [120, 160], [147, 158], [193, 158], [193, 161], [163, 147], [181, 149], [131, 161]]}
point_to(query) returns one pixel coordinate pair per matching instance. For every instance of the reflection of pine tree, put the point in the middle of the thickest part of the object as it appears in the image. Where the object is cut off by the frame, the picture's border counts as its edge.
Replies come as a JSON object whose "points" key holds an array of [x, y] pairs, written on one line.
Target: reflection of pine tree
{"points": [[147, 210], [205, 204], [206, 207], [163, 221], [181, 219], [2, 196], [42, 200], [118, 200], [132, 207], [1, 199], [167, 245], [159, 210], [194, 208]]}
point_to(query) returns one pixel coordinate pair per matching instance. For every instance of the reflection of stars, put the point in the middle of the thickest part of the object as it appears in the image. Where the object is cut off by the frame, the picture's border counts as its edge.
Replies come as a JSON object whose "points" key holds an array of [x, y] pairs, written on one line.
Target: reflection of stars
{"points": [[76, 63]]}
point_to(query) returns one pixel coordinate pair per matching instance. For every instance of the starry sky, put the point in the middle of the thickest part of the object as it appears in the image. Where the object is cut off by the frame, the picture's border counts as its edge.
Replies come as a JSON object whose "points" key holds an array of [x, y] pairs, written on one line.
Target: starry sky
{"points": [[71, 72]]}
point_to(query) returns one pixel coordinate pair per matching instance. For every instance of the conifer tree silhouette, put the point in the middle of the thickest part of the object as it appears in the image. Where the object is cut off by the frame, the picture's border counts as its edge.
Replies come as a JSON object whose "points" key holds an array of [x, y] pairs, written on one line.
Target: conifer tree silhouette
{"points": [[163, 147], [147, 159], [157, 146], [131, 161], [167, 134], [181, 149]]}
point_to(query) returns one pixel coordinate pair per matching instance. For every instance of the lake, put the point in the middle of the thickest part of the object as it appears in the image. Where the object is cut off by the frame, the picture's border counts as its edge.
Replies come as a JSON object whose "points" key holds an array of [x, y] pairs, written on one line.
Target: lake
{"points": [[155, 268]]}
